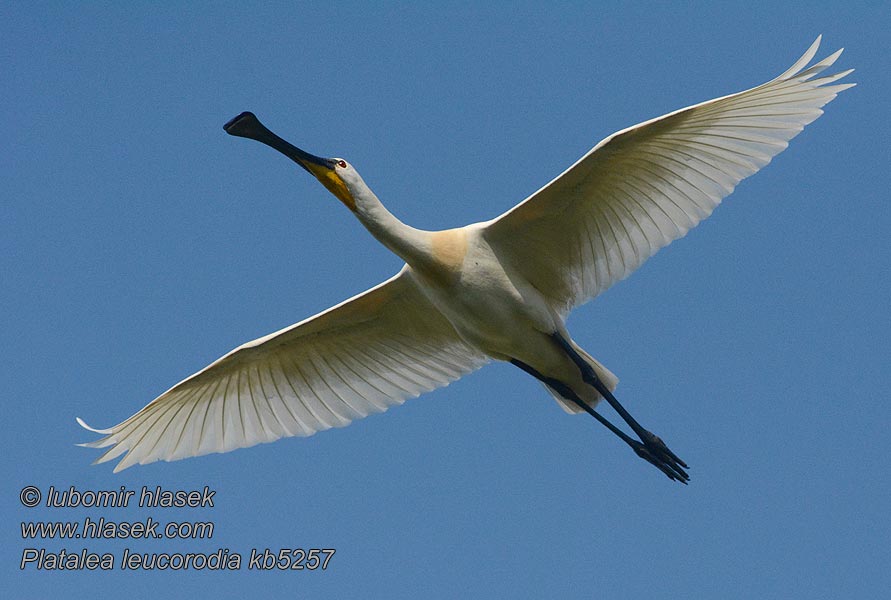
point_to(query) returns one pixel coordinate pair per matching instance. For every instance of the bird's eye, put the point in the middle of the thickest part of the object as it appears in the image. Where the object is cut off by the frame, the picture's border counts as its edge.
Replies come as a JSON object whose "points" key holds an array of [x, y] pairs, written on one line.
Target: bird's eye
{"points": [[341, 164]]}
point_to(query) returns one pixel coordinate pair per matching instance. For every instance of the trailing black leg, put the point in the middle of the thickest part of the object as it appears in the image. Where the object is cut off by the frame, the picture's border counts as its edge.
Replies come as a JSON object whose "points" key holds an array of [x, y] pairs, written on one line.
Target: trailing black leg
{"points": [[640, 449], [565, 391], [653, 443]]}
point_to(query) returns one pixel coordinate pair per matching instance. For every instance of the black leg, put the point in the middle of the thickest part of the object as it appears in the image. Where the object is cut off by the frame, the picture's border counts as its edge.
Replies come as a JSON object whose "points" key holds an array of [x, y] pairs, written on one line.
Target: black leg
{"points": [[653, 443], [565, 391], [640, 449]]}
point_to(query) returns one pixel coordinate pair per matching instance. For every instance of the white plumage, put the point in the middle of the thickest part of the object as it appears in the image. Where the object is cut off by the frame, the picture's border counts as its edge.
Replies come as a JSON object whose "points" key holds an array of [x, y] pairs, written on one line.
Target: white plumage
{"points": [[499, 289]]}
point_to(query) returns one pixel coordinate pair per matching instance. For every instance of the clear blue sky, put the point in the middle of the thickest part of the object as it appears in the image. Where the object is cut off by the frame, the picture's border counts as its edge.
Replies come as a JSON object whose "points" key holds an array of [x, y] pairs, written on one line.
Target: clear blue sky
{"points": [[138, 242]]}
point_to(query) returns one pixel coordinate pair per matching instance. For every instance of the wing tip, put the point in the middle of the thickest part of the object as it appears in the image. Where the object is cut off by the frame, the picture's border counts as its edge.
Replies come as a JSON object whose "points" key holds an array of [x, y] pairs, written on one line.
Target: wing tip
{"points": [[803, 61], [83, 424], [122, 464]]}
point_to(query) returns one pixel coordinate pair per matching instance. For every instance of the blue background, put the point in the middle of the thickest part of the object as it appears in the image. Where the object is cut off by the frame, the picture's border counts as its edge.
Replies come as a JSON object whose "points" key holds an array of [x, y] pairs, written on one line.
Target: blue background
{"points": [[138, 242]]}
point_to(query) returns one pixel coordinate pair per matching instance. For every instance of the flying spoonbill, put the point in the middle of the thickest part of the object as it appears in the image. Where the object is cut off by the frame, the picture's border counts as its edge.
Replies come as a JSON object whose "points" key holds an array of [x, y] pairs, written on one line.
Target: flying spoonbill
{"points": [[494, 290]]}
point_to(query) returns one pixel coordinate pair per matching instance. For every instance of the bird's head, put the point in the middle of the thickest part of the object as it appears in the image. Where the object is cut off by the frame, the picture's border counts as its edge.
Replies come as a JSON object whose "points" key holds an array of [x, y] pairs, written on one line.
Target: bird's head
{"points": [[334, 173]]}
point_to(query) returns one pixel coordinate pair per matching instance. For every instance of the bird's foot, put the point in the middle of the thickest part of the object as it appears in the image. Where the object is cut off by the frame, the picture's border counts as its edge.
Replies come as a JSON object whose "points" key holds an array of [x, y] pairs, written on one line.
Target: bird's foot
{"points": [[654, 451]]}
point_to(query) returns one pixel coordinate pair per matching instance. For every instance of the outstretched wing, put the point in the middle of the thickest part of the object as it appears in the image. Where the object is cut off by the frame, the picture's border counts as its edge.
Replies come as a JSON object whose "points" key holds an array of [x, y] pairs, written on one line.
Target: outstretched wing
{"points": [[360, 357], [646, 186]]}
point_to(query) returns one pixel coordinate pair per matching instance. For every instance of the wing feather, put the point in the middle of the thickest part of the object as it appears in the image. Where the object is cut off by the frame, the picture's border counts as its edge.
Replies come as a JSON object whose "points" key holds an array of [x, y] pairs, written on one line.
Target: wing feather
{"points": [[358, 358], [646, 186]]}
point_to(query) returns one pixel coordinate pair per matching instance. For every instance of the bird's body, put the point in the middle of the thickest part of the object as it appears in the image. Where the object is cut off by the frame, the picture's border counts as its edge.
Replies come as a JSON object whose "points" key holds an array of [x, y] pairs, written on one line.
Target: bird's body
{"points": [[495, 290], [487, 303], [494, 309]]}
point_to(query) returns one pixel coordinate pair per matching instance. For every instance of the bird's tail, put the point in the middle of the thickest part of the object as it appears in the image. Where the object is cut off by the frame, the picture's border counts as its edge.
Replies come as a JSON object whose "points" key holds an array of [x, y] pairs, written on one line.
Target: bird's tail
{"points": [[591, 397]]}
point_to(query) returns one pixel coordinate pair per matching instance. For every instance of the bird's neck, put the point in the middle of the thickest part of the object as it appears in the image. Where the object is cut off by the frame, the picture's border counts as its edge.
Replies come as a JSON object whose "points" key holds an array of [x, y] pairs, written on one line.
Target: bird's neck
{"points": [[410, 244]]}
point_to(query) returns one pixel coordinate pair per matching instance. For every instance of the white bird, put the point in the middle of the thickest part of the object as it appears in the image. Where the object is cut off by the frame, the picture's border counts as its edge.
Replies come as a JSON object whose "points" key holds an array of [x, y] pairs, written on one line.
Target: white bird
{"points": [[494, 290]]}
